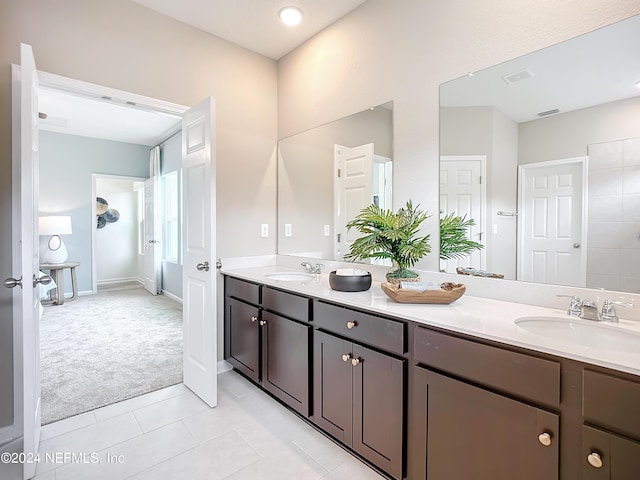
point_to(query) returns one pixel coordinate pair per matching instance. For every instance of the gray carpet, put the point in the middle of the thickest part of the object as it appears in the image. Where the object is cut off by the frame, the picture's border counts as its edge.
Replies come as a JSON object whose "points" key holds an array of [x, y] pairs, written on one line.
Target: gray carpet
{"points": [[105, 348]]}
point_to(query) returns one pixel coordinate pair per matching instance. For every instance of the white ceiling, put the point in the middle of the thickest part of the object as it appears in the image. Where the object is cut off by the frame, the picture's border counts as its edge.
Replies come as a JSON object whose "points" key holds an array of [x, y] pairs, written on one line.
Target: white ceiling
{"points": [[599, 67], [254, 24]]}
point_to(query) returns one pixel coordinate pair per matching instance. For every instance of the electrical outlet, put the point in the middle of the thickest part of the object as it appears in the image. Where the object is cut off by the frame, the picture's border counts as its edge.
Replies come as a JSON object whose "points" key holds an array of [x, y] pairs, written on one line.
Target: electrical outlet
{"points": [[327, 230], [287, 229], [264, 230]]}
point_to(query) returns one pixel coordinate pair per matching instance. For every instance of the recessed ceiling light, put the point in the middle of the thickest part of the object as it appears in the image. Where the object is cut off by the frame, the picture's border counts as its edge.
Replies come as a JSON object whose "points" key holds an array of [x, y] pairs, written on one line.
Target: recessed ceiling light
{"points": [[290, 15]]}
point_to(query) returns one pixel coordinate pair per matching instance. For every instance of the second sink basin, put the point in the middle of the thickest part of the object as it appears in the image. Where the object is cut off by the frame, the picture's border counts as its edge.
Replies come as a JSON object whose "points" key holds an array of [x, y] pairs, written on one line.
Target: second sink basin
{"points": [[584, 333], [290, 276]]}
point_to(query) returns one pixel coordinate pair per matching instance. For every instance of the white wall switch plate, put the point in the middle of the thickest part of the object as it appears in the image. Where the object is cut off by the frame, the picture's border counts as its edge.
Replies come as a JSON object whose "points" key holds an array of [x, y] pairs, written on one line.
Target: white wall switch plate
{"points": [[287, 229], [327, 230], [264, 230]]}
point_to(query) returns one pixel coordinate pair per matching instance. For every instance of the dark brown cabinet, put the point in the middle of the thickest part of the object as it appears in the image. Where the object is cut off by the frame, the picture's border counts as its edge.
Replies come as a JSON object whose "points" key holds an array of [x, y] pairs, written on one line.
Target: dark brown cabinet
{"points": [[267, 338], [470, 432], [359, 399]]}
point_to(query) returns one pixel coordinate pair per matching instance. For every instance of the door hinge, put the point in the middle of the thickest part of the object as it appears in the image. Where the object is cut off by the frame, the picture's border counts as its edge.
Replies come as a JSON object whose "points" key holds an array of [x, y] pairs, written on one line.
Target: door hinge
{"points": [[338, 173], [480, 179], [338, 235]]}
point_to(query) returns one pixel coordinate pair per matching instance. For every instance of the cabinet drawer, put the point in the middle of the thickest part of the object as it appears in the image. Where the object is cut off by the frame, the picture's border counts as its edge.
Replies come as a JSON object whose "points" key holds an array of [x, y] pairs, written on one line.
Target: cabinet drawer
{"points": [[287, 304], [612, 402], [370, 329], [511, 372], [246, 291]]}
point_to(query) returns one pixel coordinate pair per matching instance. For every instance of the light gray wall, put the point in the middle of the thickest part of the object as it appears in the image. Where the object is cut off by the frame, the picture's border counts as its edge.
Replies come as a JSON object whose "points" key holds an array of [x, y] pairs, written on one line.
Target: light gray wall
{"points": [[567, 135], [306, 177], [66, 165], [170, 161]]}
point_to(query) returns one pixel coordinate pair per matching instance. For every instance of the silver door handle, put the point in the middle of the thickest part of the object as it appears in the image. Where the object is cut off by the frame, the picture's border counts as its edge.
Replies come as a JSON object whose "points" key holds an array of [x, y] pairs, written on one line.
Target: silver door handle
{"points": [[154, 241], [12, 282], [203, 266], [43, 280]]}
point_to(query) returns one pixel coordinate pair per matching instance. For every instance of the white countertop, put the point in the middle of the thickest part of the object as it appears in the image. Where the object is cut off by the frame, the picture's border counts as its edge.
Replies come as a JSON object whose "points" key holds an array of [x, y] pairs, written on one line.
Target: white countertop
{"points": [[479, 317]]}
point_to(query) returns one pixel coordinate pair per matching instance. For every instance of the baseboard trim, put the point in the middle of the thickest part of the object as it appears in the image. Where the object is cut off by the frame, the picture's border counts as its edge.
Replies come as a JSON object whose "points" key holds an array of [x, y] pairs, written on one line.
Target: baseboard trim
{"points": [[224, 366], [172, 296], [6, 434]]}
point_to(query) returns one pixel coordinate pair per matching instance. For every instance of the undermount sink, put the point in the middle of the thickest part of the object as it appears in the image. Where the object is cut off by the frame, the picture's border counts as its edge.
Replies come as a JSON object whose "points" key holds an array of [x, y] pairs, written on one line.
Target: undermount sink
{"points": [[290, 276], [583, 333]]}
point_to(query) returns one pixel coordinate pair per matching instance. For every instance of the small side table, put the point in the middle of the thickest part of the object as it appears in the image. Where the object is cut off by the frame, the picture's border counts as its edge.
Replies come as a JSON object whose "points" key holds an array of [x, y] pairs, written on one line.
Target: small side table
{"points": [[56, 271]]}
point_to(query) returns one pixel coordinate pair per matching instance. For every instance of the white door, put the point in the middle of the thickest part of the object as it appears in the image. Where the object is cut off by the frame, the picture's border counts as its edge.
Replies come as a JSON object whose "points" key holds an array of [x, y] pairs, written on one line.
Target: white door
{"points": [[552, 240], [199, 256], [354, 180], [462, 191], [26, 302], [152, 235]]}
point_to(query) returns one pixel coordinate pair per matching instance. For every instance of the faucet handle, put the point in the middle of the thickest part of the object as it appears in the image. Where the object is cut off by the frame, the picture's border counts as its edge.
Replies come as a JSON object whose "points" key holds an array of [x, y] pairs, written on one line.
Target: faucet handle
{"points": [[609, 311], [575, 308]]}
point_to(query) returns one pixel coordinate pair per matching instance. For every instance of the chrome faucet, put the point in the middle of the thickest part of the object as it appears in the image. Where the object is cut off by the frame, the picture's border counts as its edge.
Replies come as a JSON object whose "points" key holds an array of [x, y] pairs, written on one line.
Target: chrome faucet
{"points": [[575, 308], [609, 311], [311, 269], [589, 311]]}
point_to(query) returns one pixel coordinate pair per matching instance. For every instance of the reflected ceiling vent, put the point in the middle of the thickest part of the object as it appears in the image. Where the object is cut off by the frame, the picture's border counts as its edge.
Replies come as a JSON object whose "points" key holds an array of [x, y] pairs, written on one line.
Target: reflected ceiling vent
{"points": [[517, 76], [549, 112]]}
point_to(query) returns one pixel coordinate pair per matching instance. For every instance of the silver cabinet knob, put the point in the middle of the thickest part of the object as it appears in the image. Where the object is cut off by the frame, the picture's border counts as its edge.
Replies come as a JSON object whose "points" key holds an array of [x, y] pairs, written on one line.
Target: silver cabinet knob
{"points": [[263, 323], [203, 266], [351, 325], [355, 361], [253, 319], [12, 282], [43, 280], [545, 439], [595, 460], [346, 357]]}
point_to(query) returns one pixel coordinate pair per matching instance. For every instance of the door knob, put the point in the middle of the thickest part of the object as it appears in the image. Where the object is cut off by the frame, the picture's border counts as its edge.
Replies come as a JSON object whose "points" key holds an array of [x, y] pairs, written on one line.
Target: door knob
{"points": [[576, 245], [43, 280], [12, 282], [203, 266]]}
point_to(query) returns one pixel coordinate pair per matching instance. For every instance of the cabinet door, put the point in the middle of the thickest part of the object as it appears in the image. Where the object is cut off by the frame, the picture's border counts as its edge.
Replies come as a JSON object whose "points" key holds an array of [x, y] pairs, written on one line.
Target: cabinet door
{"points": [[378, 409], [285, 360], [241, 337], [617, 458], [469, 432], [332, 381]]}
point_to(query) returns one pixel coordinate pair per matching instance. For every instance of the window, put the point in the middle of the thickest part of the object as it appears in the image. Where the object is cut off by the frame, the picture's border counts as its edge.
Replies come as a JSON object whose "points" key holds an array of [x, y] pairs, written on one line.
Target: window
{"points": [[171, 217]]}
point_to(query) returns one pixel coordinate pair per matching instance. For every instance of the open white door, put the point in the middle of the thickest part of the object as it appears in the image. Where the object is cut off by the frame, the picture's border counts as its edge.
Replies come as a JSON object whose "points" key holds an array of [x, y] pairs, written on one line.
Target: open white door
{"points": [[354, 190], [199, 256], [152, 235], [26, 302]]}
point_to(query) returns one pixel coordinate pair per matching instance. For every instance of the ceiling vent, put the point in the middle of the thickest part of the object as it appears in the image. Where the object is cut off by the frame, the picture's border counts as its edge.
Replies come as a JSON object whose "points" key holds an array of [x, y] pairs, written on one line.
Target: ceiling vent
{"points": [[517, 76], [549, 112]]}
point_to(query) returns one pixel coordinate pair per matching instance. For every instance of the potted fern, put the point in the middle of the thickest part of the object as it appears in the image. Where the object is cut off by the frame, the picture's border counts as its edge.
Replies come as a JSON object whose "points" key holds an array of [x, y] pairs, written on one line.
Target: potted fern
{"points": [[454, 240], [391, 235]]}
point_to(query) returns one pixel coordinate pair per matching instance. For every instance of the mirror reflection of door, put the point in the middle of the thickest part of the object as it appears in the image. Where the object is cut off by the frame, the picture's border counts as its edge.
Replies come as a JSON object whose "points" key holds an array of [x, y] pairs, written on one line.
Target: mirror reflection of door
{"points": [[463, 192], [354, 190], [551, 219]]}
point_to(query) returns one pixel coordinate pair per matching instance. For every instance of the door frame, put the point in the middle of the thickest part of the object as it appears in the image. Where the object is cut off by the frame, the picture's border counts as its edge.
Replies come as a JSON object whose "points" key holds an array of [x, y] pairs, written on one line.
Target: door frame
{"points": [[523, 170], [94, 178]]}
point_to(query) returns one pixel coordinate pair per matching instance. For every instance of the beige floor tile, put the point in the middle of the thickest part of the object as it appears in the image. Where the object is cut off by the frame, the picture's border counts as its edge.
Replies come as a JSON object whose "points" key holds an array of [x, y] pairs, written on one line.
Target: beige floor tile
{"points": [[169, 411], [321, 449], [215, 459], [353, 469], [67, 425], [136, 403], [285, 464], [133, 456], [59, 450]]}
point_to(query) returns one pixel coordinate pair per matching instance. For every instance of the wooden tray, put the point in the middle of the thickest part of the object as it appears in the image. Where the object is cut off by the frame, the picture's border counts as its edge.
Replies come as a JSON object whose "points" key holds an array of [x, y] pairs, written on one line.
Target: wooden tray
{"points": [[449, 292]]}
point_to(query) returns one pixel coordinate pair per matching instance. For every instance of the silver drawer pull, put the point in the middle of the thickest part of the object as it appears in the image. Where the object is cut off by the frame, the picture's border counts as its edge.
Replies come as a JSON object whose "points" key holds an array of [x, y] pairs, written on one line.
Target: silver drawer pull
{"points": [[351, 325]]}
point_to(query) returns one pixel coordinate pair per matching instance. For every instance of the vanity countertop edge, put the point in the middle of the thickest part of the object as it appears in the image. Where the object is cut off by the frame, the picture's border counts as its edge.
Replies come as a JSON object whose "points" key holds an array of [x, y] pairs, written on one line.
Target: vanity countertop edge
{"points": [[483, 318]]}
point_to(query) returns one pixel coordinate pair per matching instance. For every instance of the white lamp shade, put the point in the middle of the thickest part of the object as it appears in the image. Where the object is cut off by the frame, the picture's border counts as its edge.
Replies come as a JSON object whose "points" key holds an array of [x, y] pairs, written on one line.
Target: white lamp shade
{"points": [[55, 225]]}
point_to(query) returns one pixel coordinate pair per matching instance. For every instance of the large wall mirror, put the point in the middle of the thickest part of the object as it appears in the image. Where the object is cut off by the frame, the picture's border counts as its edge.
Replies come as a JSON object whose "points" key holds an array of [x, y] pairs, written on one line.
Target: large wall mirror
{"points": [[543, 152], [326, 175]]}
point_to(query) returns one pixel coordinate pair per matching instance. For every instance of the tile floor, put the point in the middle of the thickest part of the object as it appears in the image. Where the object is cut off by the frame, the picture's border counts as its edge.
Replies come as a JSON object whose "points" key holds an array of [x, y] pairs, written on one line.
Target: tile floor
{"points": [[170, 434]]}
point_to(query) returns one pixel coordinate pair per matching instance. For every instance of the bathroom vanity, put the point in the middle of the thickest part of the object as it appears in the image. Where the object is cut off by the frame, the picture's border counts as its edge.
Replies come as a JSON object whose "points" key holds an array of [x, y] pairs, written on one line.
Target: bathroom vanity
{"points": [[436, 391]]}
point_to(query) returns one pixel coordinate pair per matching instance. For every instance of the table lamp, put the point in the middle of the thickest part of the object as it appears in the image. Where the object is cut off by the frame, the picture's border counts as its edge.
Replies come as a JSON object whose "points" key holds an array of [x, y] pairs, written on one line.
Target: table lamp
{"points": [[52, 248]]}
